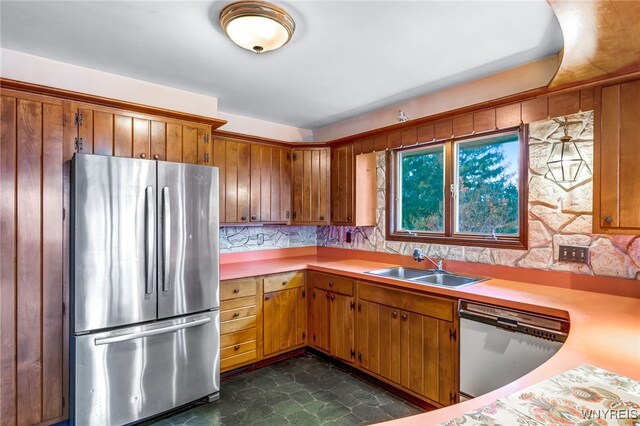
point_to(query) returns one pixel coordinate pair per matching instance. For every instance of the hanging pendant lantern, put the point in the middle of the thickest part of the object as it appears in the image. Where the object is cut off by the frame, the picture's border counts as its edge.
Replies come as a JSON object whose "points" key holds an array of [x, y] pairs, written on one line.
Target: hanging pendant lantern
{"points": [[565, 161]]}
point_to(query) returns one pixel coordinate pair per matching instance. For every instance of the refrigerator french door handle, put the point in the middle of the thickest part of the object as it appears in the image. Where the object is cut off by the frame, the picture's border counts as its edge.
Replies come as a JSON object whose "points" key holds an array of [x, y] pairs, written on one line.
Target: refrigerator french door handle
{"points": [[166, 235], [150, 232], [148, 333]]}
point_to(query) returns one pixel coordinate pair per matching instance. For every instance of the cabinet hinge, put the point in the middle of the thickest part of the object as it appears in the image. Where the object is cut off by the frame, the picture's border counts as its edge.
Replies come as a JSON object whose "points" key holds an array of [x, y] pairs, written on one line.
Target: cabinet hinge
{"points": [[64, 215], [313, 294], [353, 353], [453, 334], [294, 215], [314, 337], [78, 119], [206, 157], [360, 356], [79, 144], [304, 293], [286, 215], [206, 138], [288, 156], [304, 335], [294, 156], [64, 309], [352, 305], [453, 397], [359, 307]]}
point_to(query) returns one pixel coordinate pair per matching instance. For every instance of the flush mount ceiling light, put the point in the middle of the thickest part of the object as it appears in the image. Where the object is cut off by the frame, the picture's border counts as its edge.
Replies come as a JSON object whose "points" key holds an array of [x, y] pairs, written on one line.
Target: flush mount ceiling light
{"points": [[565, 161], [256, 25]]}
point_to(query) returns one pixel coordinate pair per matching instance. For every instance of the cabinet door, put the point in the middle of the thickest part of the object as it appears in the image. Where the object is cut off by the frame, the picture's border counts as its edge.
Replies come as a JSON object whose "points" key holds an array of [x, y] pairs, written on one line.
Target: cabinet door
{"points": [[341, 327], [616, 159], [427, 357], [320, 319], [311, 186], [270, 184], [342, 197], [233, 158], [284, 320], [379, 339]]}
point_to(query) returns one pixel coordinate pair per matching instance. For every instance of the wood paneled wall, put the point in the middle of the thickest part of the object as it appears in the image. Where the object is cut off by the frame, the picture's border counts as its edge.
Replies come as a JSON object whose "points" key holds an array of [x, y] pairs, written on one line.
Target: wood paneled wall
{"points": [[31, 261]]}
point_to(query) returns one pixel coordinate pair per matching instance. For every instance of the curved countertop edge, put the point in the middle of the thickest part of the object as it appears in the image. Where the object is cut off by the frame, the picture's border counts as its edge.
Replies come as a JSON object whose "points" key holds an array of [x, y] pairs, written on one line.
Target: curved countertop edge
{"points": [[604, 329]]}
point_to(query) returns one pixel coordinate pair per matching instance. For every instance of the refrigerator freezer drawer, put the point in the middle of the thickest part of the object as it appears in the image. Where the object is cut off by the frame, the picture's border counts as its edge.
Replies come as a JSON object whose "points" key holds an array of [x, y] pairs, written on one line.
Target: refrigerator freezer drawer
{"points": [[129, 374]]}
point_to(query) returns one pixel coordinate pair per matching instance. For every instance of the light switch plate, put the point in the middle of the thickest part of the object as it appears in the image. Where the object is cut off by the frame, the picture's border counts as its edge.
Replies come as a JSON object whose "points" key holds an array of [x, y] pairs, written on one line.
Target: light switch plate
{"points": [[573, 254]]}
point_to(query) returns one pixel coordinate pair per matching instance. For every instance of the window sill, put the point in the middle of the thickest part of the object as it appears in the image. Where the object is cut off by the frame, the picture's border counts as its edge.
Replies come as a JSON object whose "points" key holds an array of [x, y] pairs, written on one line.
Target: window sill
{"points": [[503, 243]]}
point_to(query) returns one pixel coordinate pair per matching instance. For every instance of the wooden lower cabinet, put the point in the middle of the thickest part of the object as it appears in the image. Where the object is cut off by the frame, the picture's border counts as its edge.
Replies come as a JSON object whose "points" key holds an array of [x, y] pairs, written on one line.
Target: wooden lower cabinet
{"points": [[333, 320], [285, 313], [240, 315], [416, 350]]}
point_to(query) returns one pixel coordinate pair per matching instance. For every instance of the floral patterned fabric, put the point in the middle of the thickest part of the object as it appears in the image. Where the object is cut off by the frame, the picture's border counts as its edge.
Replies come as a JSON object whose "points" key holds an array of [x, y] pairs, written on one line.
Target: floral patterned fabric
{"points": [[584, 396]]}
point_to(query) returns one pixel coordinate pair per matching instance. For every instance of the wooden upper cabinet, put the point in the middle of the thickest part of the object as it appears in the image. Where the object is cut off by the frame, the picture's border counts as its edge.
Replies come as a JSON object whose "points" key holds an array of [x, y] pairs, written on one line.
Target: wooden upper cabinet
{"points": [[353, 187], [311, 186], [109, 131], [233, 159], [616, 204], [342, 185], [270, 184]]}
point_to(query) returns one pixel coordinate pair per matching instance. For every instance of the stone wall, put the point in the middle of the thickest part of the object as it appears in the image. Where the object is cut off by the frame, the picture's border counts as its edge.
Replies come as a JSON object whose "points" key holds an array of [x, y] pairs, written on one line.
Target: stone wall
{"points": [[245, 238], [558, 214]]}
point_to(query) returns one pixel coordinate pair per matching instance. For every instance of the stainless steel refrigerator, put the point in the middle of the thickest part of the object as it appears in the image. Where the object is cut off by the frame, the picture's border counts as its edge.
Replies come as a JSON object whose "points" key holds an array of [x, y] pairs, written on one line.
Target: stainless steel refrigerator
{"points": [[145, 333]]}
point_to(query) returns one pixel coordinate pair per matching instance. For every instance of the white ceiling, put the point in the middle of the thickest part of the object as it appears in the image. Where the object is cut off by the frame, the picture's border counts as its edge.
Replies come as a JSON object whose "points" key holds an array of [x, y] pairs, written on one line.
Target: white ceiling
{"points": [[345, 58]]}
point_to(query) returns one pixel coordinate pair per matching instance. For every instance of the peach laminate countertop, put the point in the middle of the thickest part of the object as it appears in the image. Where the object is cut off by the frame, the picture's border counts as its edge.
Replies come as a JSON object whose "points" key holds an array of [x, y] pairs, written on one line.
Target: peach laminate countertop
{"points": [[605, 329]]}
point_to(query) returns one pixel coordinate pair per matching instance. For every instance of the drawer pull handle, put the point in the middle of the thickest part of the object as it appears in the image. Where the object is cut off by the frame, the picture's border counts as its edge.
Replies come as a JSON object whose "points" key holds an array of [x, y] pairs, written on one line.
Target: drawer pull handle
{"points": [[608, 220], [328, 295], [405, 316], [333, 297], [394, 314], [156, 156], [236, 290], [143, 155], [236, 347], [284, 282], [267, 296], [236, 315], [330, 283]]}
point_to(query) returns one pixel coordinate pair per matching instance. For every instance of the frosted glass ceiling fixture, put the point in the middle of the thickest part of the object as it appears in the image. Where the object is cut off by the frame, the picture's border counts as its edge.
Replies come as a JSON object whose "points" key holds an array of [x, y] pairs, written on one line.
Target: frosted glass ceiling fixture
{"points": [[256, 25], [565, 161]]}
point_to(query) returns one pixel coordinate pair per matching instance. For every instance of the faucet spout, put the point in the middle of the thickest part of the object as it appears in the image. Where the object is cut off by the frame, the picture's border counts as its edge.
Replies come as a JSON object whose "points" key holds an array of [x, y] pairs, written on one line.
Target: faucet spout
{"points": [[418, 256]]}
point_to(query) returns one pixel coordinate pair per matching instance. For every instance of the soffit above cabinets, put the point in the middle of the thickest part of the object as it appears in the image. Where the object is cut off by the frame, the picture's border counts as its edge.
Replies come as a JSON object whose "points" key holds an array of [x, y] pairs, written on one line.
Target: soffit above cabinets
{"points": [[345, 58]]}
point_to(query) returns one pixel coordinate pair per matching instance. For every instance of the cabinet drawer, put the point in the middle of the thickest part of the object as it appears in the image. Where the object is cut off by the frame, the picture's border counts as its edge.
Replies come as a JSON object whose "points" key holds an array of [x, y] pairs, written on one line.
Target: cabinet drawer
{"points": [[237, 288], [237, 325], [226, 363], [381, 295], [242, 336], [240, 302], [333, 283], [283, 281], [233, 314], [238, 348], [428, 305]]}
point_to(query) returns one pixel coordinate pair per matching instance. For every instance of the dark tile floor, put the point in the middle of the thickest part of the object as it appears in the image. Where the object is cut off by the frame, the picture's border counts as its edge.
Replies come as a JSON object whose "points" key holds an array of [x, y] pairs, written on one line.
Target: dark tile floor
{"points": [[301, 391]]}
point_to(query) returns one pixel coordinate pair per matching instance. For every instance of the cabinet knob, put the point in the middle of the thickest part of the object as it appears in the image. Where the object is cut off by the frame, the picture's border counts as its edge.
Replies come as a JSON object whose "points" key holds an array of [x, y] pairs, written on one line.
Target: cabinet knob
{"points": [[333, 297], [328, 295], [243, 218], [156, 156], [394, 314], [143, 155], [253, 217], [321, 217], [236, 347], [330, 283], [608, 220], [284, 282], [236, 290], [404, 317], [236, 315], [267, 296], [349, 218]]}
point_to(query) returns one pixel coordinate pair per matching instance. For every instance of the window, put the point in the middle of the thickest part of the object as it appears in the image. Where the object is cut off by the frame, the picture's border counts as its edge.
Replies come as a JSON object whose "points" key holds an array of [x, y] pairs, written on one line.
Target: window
{"points": [[465, 191]]}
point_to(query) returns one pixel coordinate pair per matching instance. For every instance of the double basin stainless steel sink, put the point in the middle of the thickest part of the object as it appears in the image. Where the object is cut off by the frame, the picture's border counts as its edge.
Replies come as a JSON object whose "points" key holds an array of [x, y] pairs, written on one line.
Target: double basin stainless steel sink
{"points": [[429, 277]]}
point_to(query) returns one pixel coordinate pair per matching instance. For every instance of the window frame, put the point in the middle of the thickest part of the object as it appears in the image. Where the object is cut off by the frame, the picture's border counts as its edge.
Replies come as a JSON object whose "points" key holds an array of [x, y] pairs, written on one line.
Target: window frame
{"points": [[450, 237]]}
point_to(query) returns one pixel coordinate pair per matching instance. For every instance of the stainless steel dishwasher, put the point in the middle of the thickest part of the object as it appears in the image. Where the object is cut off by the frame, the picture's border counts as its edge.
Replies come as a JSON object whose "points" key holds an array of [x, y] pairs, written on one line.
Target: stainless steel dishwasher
{"points": [[500, 345]]}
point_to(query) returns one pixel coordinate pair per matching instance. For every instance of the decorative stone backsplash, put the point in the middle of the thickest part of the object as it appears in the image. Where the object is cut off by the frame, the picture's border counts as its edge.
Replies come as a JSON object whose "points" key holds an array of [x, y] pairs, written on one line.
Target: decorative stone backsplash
{"points": [[245, 238], [558, 214]]}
